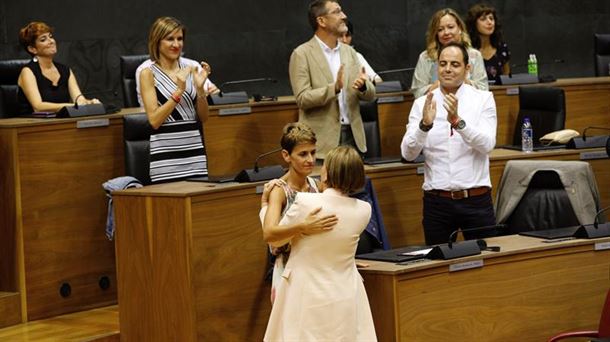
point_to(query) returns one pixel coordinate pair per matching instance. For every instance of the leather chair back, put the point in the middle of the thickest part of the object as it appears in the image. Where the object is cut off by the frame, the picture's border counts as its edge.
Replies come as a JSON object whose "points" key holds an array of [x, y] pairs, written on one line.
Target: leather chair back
{"points": [[370, 120], [136, 136], [602, 54], [546, 108], [545, 205], [9, 73], [129, 64]]}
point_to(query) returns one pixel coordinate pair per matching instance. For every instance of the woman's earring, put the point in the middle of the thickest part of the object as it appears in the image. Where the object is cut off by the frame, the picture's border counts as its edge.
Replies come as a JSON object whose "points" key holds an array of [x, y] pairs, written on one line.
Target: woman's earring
{"points": [[35, 59]]}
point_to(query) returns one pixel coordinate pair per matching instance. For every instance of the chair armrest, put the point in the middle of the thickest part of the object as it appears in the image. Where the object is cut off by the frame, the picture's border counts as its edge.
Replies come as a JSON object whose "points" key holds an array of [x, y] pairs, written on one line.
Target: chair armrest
{"points": [[570, 334]]}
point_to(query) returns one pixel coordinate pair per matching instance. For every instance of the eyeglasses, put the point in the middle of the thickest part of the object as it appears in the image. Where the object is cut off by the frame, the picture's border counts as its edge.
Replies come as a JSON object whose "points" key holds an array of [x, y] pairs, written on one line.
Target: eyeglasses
{"points": [[336, 11]]}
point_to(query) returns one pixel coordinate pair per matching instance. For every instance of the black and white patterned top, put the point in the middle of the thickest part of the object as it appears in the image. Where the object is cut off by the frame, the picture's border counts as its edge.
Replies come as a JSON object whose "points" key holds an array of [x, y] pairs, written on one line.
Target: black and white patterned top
{"points": [[176, 148]]}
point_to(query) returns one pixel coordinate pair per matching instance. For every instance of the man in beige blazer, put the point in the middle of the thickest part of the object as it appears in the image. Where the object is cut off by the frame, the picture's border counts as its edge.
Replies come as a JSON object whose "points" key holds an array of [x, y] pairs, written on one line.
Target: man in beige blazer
{"points": [[328, 81]]}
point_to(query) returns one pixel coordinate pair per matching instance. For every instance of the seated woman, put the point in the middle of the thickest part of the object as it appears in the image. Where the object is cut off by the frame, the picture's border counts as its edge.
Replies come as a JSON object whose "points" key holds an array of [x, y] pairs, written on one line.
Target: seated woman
{"points": [[45, 85], [445, 26], [299, 152], [321, 296], [176, 105], [486, 34]]}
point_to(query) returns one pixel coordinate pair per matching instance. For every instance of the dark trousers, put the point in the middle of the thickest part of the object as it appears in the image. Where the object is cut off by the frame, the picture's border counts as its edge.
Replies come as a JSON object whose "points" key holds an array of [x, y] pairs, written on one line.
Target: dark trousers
{"points": [[347, 137], [444, 215]]}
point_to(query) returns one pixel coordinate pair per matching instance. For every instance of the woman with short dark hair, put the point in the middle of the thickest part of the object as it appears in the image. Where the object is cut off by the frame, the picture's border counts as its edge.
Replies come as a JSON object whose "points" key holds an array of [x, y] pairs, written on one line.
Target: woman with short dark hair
{"points": [[321, 296], [45, 85]]}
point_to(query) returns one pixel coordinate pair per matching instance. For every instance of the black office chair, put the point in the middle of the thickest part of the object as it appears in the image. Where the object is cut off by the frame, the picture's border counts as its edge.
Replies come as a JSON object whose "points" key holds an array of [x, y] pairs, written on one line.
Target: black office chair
{"points": [[546, 108], [9, 73], [545, 205], [129, 64], [370, 120], [546, 194], [602, 54], [136, 136]]}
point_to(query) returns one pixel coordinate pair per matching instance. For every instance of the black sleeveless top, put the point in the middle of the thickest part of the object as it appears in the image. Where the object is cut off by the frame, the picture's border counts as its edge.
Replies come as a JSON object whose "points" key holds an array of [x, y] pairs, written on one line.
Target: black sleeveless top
{"points": [[48, 92]]}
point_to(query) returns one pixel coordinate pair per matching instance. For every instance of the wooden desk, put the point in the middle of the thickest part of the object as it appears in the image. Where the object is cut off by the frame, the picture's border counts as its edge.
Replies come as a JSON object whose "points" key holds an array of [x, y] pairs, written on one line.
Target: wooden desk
{"points": [[190, 256], [398, 188], [53, 212], [242, 137], [528, 291], [191, 263]]}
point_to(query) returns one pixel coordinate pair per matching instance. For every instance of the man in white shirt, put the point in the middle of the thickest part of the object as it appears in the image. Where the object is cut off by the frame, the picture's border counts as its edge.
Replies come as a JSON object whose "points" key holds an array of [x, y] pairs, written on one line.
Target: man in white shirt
{"points": [[208, 85], [455, 127], [328, 81]]}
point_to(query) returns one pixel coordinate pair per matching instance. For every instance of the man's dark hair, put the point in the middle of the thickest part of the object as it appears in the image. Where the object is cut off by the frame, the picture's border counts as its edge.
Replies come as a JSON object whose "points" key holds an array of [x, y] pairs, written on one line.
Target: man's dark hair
{"points": [[317, 8], [457, 45]]}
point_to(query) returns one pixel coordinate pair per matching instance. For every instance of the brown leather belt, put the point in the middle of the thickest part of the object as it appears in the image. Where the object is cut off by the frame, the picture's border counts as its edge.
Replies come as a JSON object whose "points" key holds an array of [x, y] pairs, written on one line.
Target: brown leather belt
{"points": [[460, 194]]}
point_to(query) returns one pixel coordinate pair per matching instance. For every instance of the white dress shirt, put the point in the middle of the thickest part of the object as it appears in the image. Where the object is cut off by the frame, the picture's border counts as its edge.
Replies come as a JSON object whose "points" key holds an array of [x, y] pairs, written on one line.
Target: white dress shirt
{"points": [[333, 57], [183, 60], [459, 161]]}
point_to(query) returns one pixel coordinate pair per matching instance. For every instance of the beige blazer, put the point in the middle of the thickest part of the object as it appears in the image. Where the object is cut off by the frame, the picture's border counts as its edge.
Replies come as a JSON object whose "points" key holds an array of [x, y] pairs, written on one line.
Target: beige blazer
{"points": [[314, 89], [321, 296]]}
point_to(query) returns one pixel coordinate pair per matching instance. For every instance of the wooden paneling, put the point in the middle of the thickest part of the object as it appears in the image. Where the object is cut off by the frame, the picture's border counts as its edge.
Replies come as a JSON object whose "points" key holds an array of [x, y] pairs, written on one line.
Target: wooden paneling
{"points": [[10, 308], [153, 245], [198, 258], [527, 292], [54, 212]]}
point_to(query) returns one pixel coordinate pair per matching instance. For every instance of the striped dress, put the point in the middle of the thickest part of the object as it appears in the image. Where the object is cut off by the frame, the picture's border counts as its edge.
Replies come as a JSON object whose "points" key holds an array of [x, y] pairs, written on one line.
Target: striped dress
{"points": [[176, 148]]}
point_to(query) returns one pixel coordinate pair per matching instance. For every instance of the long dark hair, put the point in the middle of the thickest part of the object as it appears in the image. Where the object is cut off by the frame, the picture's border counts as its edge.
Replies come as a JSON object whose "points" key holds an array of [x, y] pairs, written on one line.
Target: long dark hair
{"points": [[474, 13]]}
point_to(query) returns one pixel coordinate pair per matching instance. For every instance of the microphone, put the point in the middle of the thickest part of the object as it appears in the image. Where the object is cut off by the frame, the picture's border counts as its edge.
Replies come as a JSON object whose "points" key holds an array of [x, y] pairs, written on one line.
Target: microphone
{"points": [[257, 174], [237, 96], [589, 142], [77, 110], [596, 218], [526, 78], [595, 230], [390, 86], [453, 250]]}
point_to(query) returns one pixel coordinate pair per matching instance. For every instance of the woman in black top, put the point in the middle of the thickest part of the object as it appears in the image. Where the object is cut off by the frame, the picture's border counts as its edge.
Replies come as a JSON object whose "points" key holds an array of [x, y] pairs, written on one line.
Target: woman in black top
{"points": [[45, 85], [486, 34]]}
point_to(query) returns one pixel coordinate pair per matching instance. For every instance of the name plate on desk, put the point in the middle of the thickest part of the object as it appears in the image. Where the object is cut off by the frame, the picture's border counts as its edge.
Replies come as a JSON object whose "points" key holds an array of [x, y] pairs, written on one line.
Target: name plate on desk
{"points": [[235, 111], [512, 91], [420, 170], [391, 99], [602, 246], [593, 155], [462, 266], [92, 123]]}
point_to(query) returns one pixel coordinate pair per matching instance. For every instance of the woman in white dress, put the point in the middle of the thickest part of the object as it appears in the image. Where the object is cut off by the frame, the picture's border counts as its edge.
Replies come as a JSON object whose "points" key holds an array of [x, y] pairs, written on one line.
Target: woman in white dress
{"points": [[321, 296]]}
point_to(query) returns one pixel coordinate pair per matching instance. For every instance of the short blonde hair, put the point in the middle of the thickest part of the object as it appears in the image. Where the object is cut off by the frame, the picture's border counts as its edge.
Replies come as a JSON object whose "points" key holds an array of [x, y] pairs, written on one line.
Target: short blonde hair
{"points": [[296, 133], [344, 169], [162, 27], [432, 43]]}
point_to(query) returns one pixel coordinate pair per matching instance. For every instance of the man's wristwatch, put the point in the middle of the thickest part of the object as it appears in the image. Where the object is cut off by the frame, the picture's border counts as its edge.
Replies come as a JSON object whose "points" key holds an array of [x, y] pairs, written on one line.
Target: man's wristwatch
{"points": [[460, 124], [423, 127]]}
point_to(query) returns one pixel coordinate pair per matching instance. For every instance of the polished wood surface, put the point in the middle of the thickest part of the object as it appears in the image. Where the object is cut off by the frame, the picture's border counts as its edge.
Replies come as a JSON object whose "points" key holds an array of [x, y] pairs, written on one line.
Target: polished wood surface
{"points": [[54, 212], [528, 291], [191, 263], [398, 188], [10, 308], [100, 325]]}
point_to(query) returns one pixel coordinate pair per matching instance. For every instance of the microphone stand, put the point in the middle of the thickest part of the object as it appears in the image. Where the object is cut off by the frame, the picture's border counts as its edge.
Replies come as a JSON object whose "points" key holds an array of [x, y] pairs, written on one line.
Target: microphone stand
{"points": [[453, 250], [257, 174], [77, 110], [592, 141], [235, 97], [595, 230], [390, 86]]}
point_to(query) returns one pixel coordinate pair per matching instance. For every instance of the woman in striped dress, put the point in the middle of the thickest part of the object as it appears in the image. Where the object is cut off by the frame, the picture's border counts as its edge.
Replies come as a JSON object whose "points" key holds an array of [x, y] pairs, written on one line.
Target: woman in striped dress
{"points": [[176, 104]]}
